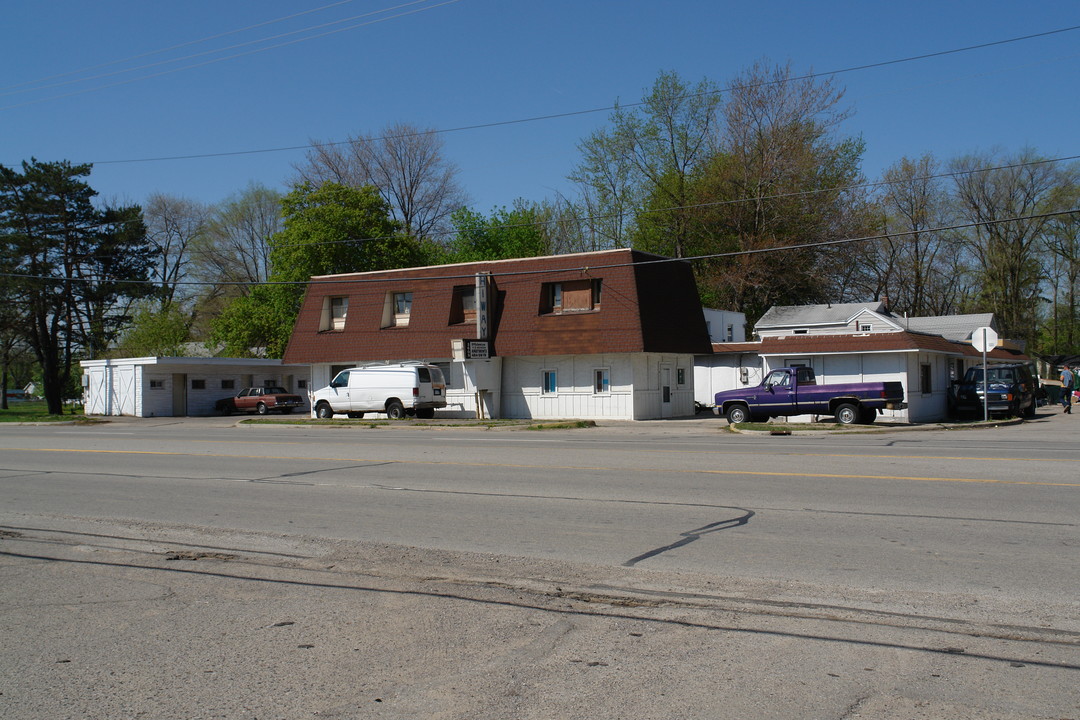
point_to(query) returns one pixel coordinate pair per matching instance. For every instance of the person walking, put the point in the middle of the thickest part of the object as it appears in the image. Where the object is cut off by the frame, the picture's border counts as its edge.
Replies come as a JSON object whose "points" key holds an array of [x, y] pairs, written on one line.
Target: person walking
{"points": [[1066, 389]]}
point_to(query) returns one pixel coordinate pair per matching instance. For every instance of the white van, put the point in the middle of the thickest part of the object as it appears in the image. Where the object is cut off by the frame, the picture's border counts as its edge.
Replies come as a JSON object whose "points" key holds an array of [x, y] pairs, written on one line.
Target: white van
{"points": [[397, 390]]}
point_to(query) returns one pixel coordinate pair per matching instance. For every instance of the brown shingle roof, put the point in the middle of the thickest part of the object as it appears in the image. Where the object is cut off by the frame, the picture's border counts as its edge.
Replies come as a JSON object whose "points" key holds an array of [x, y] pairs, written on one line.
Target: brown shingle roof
{"points": [[645, 307]]}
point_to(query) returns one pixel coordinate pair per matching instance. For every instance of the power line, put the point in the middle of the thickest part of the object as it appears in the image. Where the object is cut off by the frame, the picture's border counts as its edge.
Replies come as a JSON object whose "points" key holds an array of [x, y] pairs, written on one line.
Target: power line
{"points": [[241, 54], [696, 206], [719, 203], [608, 108], [178, 46], [342, 279]]}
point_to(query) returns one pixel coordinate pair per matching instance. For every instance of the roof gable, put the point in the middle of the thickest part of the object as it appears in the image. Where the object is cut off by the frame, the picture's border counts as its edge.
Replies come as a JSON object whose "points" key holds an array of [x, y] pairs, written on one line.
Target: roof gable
{"points": [[787, 316]]}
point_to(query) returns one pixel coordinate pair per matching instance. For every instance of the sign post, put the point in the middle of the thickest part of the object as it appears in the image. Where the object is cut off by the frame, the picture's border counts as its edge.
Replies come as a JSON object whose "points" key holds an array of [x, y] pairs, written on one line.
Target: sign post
{"points": [[984, 339]]}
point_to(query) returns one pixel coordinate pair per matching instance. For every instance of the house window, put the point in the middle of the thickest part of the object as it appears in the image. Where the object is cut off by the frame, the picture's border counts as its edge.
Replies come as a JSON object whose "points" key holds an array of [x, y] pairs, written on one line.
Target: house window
{"points": [[157, 384], [925, 385], [339, 308], [601, 381], [568, 297], [198, 384], [463, 306], [301, 384], [730, 333], [801, 331], [866, 327], [228, 384], [397, 309], [334, 311], [551, 383], [680, 376]]}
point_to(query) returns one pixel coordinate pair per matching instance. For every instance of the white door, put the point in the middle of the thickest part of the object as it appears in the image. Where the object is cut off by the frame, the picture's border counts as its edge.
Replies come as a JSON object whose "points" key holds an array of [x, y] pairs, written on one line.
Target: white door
{"points": [[665, 391]]}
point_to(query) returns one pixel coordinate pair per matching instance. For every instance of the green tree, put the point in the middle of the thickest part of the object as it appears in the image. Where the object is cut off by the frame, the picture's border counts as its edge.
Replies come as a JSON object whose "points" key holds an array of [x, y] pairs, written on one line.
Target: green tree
{"points": [[514, 233], [155, 331], [76, 268], [781, 176], [1007, 197], [650, 155], [328, 229]]}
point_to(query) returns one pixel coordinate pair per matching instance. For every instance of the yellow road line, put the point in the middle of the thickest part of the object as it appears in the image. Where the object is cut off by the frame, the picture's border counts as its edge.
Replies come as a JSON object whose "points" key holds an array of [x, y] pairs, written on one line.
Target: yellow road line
{"points": [[762, 473]]}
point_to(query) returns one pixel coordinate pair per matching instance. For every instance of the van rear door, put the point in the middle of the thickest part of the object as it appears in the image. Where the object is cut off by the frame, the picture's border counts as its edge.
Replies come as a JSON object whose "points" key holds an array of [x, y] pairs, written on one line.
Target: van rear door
{"points": [[432, 386]]}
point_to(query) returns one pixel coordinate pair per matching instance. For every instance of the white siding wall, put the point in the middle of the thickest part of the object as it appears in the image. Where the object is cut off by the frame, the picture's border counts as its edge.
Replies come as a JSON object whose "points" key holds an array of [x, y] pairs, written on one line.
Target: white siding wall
{"points": [[855, 367], [717, 373], [123, 388]]}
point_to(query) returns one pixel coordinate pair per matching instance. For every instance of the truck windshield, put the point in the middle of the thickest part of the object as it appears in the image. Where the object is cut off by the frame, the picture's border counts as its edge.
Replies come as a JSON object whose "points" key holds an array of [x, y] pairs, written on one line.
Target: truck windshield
{"points": [[777, 378], [993, 375]]}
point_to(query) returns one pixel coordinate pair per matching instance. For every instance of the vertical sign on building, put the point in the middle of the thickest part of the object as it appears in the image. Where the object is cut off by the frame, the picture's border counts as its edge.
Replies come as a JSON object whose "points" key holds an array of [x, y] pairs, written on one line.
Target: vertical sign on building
{"points": [[482, 318]]}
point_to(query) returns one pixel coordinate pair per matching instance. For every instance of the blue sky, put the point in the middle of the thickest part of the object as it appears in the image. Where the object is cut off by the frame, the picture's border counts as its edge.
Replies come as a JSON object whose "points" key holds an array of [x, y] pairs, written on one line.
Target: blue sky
{"points": [[473, 62]]}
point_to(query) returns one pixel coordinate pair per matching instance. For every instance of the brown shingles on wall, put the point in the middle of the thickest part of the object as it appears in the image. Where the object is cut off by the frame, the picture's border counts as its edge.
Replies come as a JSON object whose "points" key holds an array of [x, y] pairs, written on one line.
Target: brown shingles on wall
{"points": [[669, 319]]}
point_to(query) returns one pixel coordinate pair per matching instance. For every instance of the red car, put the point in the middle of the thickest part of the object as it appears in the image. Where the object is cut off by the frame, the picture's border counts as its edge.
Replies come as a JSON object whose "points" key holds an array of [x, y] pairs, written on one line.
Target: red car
{"points": [[261, 400]]}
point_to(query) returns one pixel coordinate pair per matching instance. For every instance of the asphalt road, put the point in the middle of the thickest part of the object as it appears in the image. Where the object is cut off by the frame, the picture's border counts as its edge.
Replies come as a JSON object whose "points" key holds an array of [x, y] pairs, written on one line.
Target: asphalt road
{"points": [[201, 568]]}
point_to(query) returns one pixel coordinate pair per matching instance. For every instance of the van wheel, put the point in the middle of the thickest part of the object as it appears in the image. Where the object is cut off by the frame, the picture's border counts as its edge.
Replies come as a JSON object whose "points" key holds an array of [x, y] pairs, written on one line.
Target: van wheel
{"points": [[425, 413], [847, 414], [395, 410], [324, 411]]}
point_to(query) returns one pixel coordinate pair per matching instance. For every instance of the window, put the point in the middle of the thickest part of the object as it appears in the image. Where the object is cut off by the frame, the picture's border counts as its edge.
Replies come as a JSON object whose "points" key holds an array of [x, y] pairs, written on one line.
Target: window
{"points": [[301, 384], [778, 378], [568, 297], [551, 383], [601, 381], [339, 308], [801, 331], [157, 384], [402, 303], [925, 385], [334, 312], [865, 327], [228, 384], [463, 306], [198, 384], [730, 333], [397, 309], [680, 376]]}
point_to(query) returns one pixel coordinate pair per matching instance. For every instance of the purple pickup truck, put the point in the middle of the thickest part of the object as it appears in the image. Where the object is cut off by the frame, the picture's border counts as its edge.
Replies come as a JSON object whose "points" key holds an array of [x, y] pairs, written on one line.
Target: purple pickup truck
{"points": [[794, 391]]}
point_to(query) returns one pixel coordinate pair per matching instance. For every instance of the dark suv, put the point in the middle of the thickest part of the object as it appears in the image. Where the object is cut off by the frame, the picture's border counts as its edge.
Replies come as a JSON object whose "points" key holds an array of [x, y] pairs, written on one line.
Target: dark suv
{"points": [[1011, 391]]}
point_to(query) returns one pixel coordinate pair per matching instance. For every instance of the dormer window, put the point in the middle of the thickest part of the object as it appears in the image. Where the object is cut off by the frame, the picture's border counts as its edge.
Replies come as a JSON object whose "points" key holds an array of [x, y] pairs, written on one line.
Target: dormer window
{"points": [[569, 297], [463, 306], [866, 327], [397, 309], [334, 311]]}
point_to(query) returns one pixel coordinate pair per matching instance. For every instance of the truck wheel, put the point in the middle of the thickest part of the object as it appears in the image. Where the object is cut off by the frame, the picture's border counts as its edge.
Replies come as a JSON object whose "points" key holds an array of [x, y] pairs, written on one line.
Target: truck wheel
{"points": [[261, 409], [738, 414], [395, 410], [324, 411], [847, 414], [1030, 412]]}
